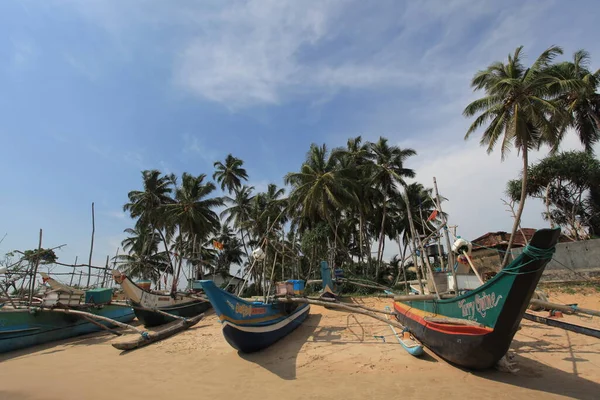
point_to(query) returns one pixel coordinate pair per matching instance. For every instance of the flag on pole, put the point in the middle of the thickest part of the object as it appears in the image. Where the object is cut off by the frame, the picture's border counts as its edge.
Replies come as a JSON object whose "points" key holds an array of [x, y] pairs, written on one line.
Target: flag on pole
{"points": [[433, 215]]}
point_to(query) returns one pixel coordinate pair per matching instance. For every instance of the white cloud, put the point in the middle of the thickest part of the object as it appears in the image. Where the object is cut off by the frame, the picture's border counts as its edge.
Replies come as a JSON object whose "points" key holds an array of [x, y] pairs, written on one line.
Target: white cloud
{"points": [[116, 214], [24, 52], [194, 147]]}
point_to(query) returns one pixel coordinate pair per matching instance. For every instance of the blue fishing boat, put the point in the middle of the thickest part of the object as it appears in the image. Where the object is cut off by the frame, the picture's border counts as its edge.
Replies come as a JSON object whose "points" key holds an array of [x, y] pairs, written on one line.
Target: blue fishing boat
{"points": [[26, 327], [252, 326]]}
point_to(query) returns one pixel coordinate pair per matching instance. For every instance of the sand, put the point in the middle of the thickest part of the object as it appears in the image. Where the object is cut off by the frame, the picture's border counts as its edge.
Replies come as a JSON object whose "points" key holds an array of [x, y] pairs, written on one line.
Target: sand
{"points": [[333, 355]]}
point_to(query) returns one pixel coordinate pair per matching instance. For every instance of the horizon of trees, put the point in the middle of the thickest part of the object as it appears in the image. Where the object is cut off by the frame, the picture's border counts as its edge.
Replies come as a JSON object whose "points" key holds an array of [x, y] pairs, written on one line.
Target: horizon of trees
{"points": [[344, 202]]}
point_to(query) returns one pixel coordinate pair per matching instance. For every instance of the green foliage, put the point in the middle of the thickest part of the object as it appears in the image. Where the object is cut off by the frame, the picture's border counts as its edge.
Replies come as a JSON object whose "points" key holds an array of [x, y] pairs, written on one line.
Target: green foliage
{"points": [[569, 183], [526, 107], [45, 256]]}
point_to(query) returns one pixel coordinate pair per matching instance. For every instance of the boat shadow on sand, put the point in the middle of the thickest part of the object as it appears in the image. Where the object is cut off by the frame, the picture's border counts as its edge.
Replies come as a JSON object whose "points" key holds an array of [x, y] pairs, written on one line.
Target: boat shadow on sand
{"points": [[58, 346], [280, 358], [535, 375]]}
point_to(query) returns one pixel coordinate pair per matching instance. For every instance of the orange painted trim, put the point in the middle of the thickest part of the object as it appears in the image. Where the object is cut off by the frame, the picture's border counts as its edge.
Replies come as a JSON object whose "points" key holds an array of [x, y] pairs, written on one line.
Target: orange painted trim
{"points": [[418, 316]]}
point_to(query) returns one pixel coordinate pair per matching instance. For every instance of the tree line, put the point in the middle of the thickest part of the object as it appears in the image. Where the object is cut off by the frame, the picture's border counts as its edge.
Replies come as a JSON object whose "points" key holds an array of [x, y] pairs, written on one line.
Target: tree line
{"points": [[346, 201]]}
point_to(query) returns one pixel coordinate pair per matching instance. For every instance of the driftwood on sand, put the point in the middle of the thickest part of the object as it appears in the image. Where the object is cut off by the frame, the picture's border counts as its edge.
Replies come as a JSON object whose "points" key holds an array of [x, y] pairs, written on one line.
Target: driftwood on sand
{"points": [[151, 337]]}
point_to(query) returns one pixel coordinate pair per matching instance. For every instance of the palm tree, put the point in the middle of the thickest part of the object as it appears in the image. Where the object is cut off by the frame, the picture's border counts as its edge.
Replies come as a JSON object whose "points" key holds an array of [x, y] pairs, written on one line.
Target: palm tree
{"points": [[141, 240], [146, 204], [143, 259], [238, 213], [516, 109], [575, 87], [320, 190], [192, 214], [387, 174], [355, 160], [230, 174]]}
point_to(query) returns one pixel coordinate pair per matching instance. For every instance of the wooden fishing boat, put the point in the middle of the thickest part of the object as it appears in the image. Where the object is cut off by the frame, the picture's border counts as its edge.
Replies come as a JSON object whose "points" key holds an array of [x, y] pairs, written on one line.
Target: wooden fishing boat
{"points": [[475, 330], [28, 326], [143, 301], [253, 326]]}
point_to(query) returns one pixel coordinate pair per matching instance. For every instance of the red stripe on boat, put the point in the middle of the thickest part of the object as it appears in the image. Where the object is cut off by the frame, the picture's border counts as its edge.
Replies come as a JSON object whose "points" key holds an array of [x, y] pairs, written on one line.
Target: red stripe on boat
{"points": [[451, 329]]}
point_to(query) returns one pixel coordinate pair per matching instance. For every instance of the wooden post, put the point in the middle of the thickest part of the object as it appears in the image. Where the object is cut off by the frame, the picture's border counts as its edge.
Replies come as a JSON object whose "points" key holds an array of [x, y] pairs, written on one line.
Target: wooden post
{"points": [[80, 276], [73, 274], [105, 272], [413, 234], [420, 243], [91, 247], [115, 266], [403, 269], [473, 267], [447, 235], [37, 264]]}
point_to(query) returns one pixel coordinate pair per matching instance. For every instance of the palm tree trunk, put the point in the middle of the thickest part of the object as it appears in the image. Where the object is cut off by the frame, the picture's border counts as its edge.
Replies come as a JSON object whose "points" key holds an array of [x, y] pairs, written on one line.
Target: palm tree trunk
{"points": [[381, 235], [402, 262], [548, 206], [360, 236], [520, 210]]}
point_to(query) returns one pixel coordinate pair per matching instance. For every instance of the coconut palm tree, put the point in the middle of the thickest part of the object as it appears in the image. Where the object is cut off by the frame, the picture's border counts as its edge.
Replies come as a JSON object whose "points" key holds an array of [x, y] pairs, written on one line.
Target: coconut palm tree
{"points": [[238, 214], [356, 161], [320, 190], [230, 174], [146, 204], [388, 172], [192, 215], [516, 111], [575, 89]]}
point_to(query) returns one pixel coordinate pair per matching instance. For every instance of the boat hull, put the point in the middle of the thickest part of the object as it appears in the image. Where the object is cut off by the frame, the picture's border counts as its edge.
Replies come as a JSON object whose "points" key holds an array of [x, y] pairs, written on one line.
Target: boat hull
{"points": [[491, 313], [21, 328], [248, 339], [186, 310], [253, 326]]}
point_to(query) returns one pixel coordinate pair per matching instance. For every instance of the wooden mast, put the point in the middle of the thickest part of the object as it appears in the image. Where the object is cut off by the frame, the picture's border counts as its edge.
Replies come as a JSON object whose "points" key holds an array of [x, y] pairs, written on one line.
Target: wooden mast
{"points": [[447, 235]]}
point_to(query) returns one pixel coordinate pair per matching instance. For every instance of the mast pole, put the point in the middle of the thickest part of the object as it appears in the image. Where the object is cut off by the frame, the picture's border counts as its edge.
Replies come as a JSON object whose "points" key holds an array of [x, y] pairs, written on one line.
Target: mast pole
{"points": [[91, 247], [413, 234], [447, 235], [73, 273], [37, 264]]}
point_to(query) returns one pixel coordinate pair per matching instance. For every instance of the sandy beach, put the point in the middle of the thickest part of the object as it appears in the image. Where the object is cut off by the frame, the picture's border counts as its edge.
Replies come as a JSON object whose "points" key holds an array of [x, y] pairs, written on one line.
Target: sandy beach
{"points": [[334, 354]]}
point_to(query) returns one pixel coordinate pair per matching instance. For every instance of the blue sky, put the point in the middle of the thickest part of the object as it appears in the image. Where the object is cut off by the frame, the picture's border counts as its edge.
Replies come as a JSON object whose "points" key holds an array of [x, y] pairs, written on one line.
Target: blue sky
{"points": [[92, 92]]}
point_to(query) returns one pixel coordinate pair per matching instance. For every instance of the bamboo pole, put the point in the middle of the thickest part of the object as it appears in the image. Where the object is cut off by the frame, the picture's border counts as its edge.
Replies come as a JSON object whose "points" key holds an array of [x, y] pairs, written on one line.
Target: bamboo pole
{"points": [[564, 308], [73, 273], [115, 265], [99, 317], [347, 308], [91, 247], [37, 264], [447, 235], [91, 321], [10, 300], [104, 273], [416, 238], [473, 267], [363, 284], [151, 337], [156, 310]]}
